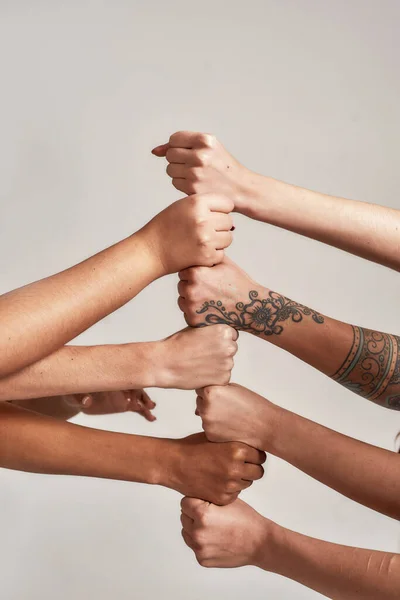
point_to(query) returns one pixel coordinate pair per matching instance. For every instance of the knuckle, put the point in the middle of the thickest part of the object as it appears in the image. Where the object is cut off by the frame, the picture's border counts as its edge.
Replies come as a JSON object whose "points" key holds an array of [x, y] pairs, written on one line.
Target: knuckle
{"points": [[203, 159], [204, 240], [195, 174], [208, 140], [238, 451]]}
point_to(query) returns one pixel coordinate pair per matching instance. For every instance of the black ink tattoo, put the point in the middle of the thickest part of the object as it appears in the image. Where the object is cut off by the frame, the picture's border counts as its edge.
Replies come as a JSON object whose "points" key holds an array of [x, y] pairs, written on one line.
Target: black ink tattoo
{"points": [[260, 317], [372, 367]]}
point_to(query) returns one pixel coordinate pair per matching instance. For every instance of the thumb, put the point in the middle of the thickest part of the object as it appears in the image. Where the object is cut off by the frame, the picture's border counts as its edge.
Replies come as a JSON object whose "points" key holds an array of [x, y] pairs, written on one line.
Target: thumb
{"points": [[160, 150]]}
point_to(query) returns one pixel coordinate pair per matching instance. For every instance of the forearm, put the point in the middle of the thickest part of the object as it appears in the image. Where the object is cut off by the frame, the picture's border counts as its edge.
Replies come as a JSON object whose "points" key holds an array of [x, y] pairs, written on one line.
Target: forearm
{"points": [[367, 230], [337, 572], [365, 473], [364, 361], [41, 317], [39, 444], [85, 369], [52, 406]]}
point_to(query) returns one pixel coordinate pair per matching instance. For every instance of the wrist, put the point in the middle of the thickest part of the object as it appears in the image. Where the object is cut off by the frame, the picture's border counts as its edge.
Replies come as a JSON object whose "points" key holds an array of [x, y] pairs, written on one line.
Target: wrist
{"points": [[146, 240], [270, 546], [166, 471], [161, 357], [254, 194], [275, 429]]}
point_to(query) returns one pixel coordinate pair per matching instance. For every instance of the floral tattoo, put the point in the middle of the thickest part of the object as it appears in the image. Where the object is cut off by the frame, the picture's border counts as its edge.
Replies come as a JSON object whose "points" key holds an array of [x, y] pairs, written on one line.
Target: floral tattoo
{"points": [[260, 317]]}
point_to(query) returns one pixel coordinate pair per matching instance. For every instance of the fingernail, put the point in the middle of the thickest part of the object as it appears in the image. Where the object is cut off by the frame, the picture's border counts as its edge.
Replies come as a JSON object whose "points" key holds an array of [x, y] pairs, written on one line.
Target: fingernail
{"points": [[85, 400], [233, 228]]}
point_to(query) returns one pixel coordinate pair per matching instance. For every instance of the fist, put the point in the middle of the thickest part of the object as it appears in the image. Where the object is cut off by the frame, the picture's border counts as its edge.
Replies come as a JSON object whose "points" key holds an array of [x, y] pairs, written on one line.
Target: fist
{"points": [[225, 536], [106, 403], [210, 296], [234, 413], [198, 163], [191, 231], [193, 358], [214, 472]]}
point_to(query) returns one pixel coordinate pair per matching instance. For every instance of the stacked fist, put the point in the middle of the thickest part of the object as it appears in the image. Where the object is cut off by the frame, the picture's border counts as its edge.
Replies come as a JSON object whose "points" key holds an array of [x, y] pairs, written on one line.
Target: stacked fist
{"points": [[216, 184]]}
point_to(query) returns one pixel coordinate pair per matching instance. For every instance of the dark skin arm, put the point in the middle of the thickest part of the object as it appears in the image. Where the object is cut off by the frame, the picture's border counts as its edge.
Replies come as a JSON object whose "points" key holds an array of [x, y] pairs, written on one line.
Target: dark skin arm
{"points": [[194, 466]]}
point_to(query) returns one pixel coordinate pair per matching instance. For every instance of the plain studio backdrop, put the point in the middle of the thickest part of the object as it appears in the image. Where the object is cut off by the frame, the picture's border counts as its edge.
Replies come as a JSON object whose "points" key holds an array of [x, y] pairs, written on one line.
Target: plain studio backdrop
{"points": [[305, 91]]}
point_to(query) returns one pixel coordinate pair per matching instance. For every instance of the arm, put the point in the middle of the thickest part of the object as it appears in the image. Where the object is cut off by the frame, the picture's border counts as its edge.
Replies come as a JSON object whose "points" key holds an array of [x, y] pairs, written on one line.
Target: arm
{"points": [[367, 474], [39, 444], [199, 163], [185, 360], [99, 403], [39, 318], [236, 535], [364, 361]]}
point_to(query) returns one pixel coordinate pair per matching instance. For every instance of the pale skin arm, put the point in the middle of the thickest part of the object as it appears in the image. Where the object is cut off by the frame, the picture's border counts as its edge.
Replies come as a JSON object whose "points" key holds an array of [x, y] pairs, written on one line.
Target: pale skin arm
{"points": [[192, 466], [364, 361], [199, 163], [365, 473], [181, 361], [38, 319], [236, 535]]}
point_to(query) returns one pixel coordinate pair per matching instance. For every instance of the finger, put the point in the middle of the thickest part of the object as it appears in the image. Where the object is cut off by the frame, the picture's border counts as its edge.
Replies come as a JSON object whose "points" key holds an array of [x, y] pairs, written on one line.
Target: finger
{"points": [[200, 391], [182, 304], [188, 139], [252, 472], [160, 150], [143, 405], [245, 484], [182, 289], [176, 171], [223, 239], [254, 456], [196, 412], [189, 541], [199, 406], [180, 184], [147, 401], [190, 506], [222, 222], [218, 257], [187, 523], [179, 155], [219, 203], [79, 401], [185, 274]]}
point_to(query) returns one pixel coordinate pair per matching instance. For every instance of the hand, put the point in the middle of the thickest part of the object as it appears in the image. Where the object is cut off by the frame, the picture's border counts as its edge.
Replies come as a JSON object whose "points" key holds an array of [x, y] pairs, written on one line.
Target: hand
{"points": [[214, 472], [106, 403], [191, 231], [225, 536], [194, 358], [234, 413], [210, 296], [198, 163]]}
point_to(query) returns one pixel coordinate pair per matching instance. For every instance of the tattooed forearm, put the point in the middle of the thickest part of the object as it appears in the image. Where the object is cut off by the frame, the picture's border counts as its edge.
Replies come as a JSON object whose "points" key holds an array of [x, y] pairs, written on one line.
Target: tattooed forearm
{"points": [[259, 316], [372, 367]]}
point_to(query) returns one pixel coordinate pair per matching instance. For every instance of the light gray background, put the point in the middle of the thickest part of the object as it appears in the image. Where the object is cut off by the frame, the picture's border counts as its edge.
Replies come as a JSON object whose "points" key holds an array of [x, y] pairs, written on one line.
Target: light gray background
{"points": [[306, 91]]}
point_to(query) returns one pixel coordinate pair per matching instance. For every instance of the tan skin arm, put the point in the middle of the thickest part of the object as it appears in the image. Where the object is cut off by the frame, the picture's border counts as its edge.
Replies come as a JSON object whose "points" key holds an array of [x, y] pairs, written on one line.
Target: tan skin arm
{"points": [[237, 535], [40, 444], [40, 318], [365, 473], [198, 163]]}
